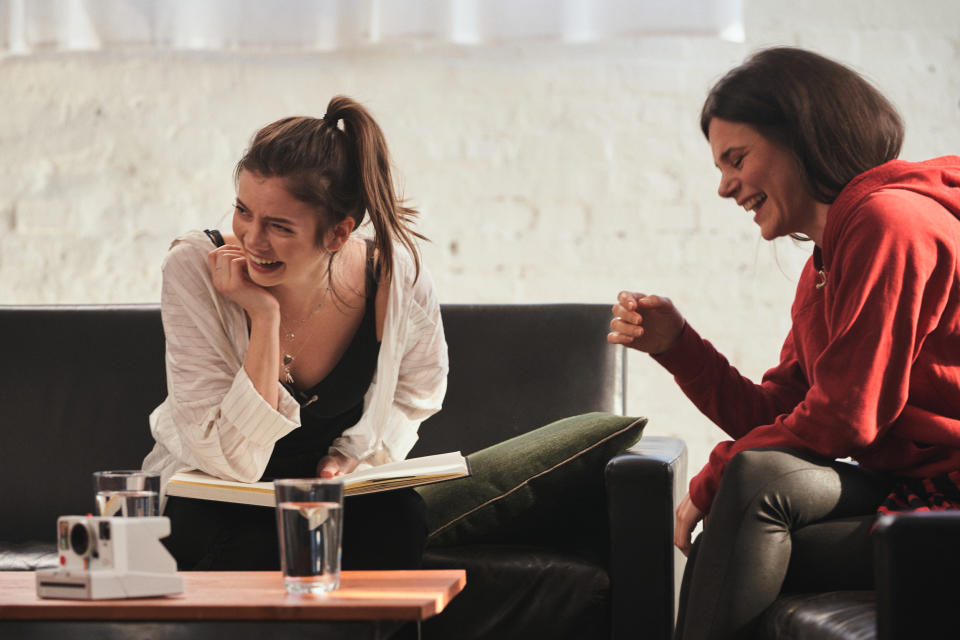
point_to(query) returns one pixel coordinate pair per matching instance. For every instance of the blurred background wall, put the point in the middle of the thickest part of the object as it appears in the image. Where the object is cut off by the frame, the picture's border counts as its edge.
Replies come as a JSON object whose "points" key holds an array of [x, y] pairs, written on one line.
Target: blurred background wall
{"points": [[545, 170]]}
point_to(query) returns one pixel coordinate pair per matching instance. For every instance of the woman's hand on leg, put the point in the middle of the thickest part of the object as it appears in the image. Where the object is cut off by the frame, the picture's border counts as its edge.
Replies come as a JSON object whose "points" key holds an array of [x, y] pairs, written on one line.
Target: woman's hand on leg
{"points": [[688, 515]]}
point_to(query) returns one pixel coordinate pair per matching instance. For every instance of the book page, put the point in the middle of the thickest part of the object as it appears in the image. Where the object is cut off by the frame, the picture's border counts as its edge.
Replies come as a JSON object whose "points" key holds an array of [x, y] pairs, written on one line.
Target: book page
{"points": [[394, 475]]}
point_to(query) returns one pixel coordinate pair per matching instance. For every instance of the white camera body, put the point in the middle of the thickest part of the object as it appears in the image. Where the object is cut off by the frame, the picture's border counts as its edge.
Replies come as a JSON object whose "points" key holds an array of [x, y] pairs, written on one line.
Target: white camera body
{"points": [[102, 558]]}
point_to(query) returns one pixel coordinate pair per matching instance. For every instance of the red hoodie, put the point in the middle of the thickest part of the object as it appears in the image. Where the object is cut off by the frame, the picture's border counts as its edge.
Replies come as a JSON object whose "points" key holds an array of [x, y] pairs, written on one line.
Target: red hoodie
{"points": [[871, 366]]}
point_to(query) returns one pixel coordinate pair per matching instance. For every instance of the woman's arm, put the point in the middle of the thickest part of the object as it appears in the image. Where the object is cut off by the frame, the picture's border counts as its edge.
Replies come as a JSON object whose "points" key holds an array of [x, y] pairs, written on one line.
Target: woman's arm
{"points": [[653, 325], [228, 271], [733, 402], [214, 417]]}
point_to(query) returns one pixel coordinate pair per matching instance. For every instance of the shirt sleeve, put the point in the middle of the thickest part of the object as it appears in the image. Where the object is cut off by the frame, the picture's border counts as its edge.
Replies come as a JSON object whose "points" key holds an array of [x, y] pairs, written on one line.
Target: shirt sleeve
{"points": [[213, 418], [886, 290], [733, 402], [410, 382]]}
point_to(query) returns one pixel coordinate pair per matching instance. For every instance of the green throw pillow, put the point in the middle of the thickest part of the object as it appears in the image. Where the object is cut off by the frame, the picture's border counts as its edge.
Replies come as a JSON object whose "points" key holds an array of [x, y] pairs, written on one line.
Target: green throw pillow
{"points": [[547, 482]]}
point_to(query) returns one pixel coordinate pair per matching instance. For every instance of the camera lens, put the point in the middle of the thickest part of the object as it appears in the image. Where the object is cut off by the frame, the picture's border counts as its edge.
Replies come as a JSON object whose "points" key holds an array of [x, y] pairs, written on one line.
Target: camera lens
{"points": [[79, 539]]}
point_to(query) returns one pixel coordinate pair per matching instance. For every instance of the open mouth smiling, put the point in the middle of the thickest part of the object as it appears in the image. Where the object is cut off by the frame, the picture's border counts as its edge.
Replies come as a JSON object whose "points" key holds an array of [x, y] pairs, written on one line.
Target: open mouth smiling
{"points": [[753, 202], [263, 265]]}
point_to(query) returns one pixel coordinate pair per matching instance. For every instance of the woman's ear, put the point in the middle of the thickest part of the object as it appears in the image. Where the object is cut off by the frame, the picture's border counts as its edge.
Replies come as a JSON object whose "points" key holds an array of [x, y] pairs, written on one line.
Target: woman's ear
{"points": [[338, 235]]}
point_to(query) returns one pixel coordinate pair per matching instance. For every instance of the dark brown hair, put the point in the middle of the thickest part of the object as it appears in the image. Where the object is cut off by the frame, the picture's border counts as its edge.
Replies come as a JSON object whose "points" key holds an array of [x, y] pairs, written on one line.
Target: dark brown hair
{"points": [[340, 171], [835, 123]]}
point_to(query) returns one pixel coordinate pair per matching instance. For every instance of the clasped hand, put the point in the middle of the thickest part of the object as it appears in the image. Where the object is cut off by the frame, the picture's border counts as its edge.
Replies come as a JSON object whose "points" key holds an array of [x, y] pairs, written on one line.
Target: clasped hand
{"points": [[646, 323]]}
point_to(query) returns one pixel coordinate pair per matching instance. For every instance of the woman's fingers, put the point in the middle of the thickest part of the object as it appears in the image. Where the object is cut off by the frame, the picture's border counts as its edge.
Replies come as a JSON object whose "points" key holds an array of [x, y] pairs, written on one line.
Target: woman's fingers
{"points": [[628, 299], [333, 465], [238, 269], [653, 302], [627, 328], [688, 515], [615, 337], [328, 468], [625, 314]]}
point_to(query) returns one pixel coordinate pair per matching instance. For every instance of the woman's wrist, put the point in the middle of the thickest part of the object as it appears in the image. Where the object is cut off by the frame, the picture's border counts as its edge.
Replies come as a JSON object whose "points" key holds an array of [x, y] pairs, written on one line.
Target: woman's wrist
{"points": [[267, 313]]}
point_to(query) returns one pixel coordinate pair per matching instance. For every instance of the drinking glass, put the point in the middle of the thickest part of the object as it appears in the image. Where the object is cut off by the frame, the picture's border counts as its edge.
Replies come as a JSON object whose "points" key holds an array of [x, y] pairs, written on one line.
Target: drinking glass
{"points": [[309, 525], [127, 493]]}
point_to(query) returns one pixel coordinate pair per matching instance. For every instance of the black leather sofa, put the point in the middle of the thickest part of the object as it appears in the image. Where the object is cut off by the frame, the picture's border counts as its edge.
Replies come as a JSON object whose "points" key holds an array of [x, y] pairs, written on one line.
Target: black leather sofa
{"points": [[77, 384], [916, 568]]}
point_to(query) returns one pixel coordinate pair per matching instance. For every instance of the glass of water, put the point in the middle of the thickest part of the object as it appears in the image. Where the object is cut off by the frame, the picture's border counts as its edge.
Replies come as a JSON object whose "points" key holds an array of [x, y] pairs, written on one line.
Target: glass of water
{"points": [[127, 493], [309, 525]]}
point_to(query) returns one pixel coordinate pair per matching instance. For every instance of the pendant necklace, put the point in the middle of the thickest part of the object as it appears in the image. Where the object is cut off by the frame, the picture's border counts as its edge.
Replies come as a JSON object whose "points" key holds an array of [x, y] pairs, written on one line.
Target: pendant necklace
{"points": [[289, 335], [818, 265]]}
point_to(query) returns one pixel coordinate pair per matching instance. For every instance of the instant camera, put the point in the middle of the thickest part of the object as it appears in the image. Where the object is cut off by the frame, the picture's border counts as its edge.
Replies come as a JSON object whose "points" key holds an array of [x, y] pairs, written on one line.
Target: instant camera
{"points": [[102, 558]]}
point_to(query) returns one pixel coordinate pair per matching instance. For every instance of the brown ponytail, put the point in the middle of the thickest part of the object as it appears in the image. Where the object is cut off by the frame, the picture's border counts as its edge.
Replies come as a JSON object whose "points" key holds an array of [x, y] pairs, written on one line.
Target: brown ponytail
{"points": [[342, 172], [391, 220]]}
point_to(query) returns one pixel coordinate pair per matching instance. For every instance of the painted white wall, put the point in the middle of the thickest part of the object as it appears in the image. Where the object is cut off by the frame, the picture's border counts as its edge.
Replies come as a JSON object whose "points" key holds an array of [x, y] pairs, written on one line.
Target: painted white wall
{"points": [[545, 172]]}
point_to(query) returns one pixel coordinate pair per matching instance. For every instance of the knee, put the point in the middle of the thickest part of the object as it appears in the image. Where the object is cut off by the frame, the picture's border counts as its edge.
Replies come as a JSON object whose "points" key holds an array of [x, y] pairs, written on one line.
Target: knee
{"points": [[756, 463]]}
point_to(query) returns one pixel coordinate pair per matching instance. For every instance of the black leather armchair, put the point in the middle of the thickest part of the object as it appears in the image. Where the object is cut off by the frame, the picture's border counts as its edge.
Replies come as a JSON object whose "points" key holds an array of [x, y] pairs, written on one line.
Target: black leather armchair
{"points": [[79, 381], [916, 565], [517, 367]]}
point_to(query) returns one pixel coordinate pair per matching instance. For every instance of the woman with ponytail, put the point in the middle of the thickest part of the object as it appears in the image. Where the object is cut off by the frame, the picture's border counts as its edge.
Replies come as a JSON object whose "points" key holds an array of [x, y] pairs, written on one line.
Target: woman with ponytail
{"points": [[296, 348]]}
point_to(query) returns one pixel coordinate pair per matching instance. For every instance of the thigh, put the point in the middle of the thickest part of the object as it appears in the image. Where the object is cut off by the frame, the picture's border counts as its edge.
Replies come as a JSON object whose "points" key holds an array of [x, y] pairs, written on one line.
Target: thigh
{"points": [[797, 489], [221, 536], [384, 530]]}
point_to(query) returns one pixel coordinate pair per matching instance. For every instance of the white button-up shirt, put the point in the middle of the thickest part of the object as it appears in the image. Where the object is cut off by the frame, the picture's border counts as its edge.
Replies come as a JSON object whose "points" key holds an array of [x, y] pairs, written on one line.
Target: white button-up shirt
{"points": [[213, 418]]}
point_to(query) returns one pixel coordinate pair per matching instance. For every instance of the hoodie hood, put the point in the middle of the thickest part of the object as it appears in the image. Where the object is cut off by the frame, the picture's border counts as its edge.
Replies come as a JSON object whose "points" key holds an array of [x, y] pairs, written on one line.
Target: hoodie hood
{"points": [[937, 179]]}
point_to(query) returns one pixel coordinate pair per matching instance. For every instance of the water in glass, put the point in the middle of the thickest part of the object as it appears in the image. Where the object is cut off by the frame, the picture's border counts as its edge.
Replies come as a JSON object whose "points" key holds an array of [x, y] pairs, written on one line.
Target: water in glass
{"points": [[310, 545]]}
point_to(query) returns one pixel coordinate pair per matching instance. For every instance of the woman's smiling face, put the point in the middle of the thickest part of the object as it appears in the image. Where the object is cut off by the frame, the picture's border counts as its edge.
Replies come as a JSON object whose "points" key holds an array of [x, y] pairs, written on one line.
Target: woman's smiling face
{"points": [[764, 178], [277, 232]]}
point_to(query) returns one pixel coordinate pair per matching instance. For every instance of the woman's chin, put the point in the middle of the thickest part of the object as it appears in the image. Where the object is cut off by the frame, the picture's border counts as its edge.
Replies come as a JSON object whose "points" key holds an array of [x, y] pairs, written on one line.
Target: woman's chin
{"points": [[768, 231], [265, 277]]}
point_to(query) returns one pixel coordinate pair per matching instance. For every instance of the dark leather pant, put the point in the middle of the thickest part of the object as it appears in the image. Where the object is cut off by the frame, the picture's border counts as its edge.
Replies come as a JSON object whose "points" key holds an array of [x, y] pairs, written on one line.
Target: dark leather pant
{"points": [[781, 521]]}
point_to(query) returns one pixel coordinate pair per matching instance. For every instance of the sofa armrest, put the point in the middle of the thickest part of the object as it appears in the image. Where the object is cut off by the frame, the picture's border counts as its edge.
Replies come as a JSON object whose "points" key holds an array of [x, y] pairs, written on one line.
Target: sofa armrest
{"points": [[644, 484], [916, 565]]}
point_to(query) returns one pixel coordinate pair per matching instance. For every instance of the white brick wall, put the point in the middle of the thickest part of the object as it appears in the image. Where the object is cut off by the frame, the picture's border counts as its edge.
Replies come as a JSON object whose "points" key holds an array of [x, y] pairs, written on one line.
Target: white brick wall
{"points": [[544, 172]]}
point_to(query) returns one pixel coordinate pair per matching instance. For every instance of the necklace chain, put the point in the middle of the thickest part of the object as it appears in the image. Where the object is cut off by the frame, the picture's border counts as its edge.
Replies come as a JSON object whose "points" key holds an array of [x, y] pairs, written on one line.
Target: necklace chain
{"points": [[287, 358], [288, 334]]}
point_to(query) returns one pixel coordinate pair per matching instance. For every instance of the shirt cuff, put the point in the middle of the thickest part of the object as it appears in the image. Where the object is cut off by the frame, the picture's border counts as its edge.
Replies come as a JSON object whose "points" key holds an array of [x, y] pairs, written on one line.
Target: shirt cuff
{"points": [[684, 359], [703, 490], [244, 407]]}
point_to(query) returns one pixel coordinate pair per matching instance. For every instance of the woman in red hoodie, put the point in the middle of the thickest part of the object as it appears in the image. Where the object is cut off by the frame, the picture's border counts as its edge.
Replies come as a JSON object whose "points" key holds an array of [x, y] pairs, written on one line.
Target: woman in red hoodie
{"points": [[870, 369]]}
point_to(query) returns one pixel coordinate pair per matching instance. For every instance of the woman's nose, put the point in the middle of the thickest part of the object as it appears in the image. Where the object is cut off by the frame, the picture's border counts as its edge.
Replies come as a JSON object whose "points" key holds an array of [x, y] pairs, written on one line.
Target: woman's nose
{"points": [[256, 235], [728, 186]]}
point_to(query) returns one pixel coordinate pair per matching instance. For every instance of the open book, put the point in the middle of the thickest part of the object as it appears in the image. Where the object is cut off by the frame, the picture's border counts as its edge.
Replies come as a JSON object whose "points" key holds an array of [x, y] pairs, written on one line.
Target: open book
{"points": [[395, 475]]}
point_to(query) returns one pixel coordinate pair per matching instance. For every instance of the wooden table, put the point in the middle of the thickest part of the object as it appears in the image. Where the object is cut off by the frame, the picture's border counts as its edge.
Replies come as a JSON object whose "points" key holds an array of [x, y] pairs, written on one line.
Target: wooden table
{"points": [[233, 605]]}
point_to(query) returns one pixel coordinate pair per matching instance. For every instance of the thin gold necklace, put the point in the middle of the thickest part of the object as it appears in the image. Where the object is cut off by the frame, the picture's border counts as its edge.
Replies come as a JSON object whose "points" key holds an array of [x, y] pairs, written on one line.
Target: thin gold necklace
{"points": [[286, 360], [288, 334]]}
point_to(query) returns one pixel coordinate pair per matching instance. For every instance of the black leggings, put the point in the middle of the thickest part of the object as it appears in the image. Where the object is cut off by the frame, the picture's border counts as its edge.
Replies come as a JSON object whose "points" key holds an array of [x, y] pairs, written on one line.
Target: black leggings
{"points": [[385, 530], [781, 521]]}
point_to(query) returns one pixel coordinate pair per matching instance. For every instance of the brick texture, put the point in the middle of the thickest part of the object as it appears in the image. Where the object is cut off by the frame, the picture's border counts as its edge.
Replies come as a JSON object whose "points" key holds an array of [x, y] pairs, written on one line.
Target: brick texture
{"points": [[544, 172]]}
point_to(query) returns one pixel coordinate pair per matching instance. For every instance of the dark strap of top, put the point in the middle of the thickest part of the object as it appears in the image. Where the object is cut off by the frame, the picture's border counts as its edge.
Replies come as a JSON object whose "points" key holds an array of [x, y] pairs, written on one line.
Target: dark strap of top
{"points": [[215, 237]]}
